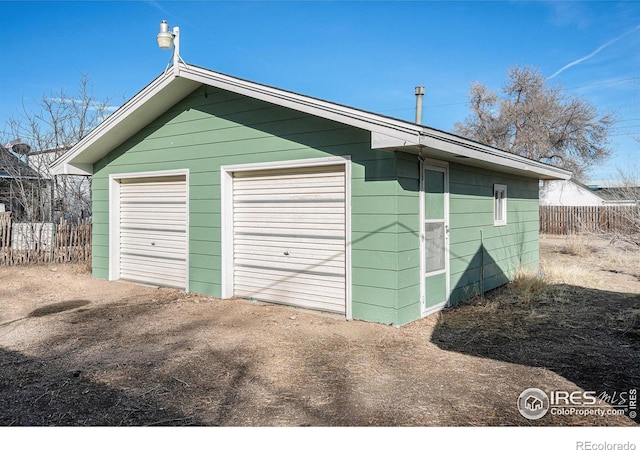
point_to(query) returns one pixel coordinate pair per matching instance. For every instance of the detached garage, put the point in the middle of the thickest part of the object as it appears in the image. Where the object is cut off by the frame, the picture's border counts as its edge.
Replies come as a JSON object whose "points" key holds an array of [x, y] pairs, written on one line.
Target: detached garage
{"points": [[217, 185]]}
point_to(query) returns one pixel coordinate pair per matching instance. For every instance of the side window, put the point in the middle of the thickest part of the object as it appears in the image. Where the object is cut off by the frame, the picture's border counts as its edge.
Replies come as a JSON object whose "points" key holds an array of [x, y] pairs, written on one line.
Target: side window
{"points": [[499, 205]]}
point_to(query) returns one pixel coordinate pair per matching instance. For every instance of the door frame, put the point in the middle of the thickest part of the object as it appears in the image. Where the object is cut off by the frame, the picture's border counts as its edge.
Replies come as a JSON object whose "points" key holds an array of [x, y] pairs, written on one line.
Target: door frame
{"points": [[441, 166], [226, 210], [114, 216]]}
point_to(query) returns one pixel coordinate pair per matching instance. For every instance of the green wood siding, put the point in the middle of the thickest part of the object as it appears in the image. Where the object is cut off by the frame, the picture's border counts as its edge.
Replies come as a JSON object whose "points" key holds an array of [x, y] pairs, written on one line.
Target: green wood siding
{"points": [[504, 249], [477, 246], [408, 257], [210, 128]]}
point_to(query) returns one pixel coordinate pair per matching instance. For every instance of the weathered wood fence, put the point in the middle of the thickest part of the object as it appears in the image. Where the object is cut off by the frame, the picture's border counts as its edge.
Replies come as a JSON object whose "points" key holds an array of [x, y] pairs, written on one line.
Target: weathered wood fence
{"points": [[589, 219], [39, 243]]}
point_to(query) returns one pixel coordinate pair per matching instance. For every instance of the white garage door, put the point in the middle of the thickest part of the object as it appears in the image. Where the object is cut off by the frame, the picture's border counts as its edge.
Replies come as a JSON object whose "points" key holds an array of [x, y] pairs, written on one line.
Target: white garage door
{"points": [[289, 236], [153, 231]]}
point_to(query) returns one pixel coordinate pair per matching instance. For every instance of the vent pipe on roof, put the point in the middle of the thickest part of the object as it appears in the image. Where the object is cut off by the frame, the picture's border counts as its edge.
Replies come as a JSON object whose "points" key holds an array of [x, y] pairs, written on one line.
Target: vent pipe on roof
{"points": [[419, 96]]}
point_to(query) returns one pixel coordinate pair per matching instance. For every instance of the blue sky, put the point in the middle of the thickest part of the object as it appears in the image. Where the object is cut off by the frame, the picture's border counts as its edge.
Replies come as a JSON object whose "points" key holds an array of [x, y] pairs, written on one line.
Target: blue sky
{"points": [[366, 54]]}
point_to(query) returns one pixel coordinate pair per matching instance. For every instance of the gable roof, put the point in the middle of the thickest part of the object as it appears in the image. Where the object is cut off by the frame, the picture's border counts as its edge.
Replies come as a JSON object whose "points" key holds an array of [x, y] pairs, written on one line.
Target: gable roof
{"points": [[386, 133], [567, 193], [11, 167]]}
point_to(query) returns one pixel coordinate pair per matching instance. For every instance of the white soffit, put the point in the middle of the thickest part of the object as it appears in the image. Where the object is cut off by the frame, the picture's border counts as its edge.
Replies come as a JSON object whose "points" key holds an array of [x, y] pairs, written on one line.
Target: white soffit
{"points": [[133, 116]]}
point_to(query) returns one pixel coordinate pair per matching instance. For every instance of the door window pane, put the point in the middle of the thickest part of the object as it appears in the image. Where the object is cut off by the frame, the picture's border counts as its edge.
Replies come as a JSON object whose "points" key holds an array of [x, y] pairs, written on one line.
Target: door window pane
{"points": [[434, 246], [434, 194]]}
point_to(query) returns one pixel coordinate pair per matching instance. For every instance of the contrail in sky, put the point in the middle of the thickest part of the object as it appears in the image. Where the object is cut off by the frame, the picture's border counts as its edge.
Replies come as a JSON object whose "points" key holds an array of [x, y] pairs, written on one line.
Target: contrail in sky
{"points": [[594, 53]]}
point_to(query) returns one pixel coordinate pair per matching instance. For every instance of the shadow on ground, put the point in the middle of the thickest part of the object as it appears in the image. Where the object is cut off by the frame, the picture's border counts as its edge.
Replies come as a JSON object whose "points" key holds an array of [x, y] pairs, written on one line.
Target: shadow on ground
{"points": [[164, 357], [590, 337], [170, 362], [41, 393]]}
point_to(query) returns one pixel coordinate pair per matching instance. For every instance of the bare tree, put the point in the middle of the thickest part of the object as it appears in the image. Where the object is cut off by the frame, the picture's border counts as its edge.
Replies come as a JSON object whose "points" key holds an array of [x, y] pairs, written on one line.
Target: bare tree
{"points": [[625, 193], [538, 121], [51, 127]]}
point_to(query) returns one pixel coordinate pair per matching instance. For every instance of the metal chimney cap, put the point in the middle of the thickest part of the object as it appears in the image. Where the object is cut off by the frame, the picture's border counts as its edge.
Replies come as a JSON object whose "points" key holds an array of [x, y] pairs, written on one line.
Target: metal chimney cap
{"points": [[419, 90]]}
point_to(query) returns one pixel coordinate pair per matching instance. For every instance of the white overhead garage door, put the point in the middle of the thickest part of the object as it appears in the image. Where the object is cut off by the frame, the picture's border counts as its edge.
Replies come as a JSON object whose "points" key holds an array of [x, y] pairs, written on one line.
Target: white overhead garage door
{"points": [[153, 230], [289, 236]]}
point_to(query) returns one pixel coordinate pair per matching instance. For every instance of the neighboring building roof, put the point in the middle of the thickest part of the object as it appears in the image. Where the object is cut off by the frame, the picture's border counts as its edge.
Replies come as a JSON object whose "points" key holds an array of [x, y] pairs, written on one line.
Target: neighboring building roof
{"points": [[12, 167], [386, 133], [568, 193], [602, 184], [620, 194], [574, 193]]}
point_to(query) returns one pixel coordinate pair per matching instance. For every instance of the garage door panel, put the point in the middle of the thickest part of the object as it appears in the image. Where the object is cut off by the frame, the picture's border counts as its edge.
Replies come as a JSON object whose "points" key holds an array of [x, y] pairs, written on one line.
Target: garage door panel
{"points": [[299, 265], [172, 221], [153, 231], [266, 209], [168, 279], [159, 252], [133, 198], [143, 263], [308, 301], [308, 200], [291, 217], [330, 235], [324, 185], [332, 242], [294, 226], [310, 281], [158, 228], [271, 252], [289, 236], [247, 245], [294, 285]]}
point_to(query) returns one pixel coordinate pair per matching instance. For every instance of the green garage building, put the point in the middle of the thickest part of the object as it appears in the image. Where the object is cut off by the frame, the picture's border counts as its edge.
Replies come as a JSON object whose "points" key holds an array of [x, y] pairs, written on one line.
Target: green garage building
{"points": [[230, 188]]}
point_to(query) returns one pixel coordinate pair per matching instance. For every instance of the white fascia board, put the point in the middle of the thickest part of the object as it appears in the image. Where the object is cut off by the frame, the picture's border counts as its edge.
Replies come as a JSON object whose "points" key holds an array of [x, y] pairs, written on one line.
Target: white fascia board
{"points": [[386, 133], [461, 147], [130, 118], [75, 169], [384, 130]]}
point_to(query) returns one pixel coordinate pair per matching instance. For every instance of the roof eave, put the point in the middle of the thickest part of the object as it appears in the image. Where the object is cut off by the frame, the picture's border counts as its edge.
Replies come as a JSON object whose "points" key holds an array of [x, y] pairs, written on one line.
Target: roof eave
{"points": [[146, 106], [386, 133]]}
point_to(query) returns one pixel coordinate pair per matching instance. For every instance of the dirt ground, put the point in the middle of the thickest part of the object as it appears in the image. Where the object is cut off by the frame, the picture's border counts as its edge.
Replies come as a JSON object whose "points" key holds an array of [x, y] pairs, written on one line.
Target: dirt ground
{"points": [[80, 351]]}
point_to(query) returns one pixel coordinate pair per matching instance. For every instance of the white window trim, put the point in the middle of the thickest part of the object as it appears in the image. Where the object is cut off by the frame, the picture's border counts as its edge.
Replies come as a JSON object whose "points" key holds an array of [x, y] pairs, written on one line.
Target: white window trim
{"points": [[502, 204], [114, 216], [226, 205]]}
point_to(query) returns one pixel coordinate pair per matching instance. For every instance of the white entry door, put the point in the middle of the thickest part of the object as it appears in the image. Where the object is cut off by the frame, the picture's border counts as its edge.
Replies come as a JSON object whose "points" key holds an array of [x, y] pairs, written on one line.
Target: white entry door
{"points": [[434, 237]]}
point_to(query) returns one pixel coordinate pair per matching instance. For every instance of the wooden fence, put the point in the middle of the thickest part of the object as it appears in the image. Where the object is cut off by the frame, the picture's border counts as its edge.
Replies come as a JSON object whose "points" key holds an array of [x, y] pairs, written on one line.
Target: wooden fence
{"points": [[589, 219], [38, 243]]}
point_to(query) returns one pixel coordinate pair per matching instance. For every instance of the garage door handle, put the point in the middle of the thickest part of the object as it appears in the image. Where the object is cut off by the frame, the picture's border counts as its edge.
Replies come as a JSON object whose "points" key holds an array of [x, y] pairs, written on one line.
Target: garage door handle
{"points": [[286, 253], [153, 243]]}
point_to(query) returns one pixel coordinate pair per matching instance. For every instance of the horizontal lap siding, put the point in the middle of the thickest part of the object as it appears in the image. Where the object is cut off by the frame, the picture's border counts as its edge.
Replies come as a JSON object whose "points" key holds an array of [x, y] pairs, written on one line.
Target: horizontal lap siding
{"points": [[506, 248], [408, 173], [211, 128]]}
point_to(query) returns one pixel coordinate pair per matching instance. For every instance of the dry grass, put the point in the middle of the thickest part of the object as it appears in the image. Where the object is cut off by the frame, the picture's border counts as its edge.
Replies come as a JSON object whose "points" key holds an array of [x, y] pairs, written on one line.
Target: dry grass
{"points": [[559, 273], [578, 245], [527, 286], [80, 351]]}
